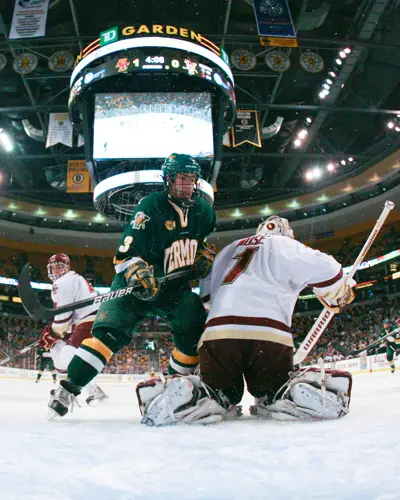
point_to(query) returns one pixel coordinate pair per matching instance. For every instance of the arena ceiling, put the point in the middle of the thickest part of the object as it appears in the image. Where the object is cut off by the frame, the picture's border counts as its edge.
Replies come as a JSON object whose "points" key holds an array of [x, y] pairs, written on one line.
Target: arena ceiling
{"points": [[346, 130]]}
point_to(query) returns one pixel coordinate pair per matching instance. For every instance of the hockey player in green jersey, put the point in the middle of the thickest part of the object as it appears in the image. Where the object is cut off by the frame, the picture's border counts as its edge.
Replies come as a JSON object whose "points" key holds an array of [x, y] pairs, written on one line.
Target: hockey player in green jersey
{"points": [[392, 344], [166, 233], [45, 360]]}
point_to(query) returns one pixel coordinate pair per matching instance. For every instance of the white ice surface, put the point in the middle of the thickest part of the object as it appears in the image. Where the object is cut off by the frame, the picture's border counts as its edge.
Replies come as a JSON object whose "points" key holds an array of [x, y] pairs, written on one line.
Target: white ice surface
{"points": [[104, 453]]}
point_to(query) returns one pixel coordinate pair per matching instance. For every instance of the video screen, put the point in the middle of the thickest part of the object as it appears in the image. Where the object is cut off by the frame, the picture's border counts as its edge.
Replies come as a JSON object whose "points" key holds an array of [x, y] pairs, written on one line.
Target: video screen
{"points": [[152, 125]]}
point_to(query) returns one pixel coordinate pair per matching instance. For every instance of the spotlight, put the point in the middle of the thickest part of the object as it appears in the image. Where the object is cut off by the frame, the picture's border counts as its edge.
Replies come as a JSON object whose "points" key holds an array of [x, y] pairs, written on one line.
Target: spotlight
{"points": [[397, 129], [326, 86], [297, 143], [330, 167], [343, 162], [347, 50], [317, 172], [390, 125], [6, 141], [323, 94], [332, 74], [302, 134], [329, 81], [342, 54], [309, 175], [308, 119], [338, 61], [350, 159]]}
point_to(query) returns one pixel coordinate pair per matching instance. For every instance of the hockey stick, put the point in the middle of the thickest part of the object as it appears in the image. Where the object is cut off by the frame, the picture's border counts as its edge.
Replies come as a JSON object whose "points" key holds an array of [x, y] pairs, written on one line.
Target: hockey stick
{"points": [[17, 354], [36, 310], [375, 342], [326, 315]]}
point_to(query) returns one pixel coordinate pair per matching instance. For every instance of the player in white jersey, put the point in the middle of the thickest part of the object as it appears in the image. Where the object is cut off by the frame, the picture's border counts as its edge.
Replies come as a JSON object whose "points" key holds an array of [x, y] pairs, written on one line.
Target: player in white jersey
{"points": [[254, 285], [70, 329]]}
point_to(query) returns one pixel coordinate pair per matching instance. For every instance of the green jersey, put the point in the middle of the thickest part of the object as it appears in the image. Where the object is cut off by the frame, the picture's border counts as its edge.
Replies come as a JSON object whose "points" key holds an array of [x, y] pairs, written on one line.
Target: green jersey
{"points": [[165, 235], [384, 332]]}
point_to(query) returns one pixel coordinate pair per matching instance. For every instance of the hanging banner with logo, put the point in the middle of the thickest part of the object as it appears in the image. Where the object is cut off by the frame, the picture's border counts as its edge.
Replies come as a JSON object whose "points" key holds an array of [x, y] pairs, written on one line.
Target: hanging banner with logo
{"points": [[273, 18], [246, 128], [60, 130], [78, 178], [29, 19]]}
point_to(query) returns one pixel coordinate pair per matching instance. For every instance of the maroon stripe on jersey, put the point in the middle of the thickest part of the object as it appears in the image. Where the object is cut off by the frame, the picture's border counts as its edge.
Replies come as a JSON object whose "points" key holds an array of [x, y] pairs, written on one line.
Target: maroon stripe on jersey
{"points": [[64, 320], [330, 282], [247, 320]]}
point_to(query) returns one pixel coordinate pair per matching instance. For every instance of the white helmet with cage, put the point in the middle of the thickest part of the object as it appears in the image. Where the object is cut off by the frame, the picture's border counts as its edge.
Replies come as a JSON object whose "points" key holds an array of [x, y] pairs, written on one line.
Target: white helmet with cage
{"points": [[58, 265], [275, 225]]}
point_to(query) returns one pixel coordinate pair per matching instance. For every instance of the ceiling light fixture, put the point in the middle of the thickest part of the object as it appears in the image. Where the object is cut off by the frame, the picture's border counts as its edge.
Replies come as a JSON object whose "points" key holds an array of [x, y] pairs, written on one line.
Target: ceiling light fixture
{"points": [[302, 134], [343, 162], [297, 143], [6, 141], [332, 74], [347, 50], [330, 167], [342, 54], [390, 125], [338, 61]]}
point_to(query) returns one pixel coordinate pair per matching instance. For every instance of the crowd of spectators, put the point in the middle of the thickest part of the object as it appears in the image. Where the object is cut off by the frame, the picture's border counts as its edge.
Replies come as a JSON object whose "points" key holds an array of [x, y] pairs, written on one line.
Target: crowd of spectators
{"points": [[150, 348], [100, 271]]}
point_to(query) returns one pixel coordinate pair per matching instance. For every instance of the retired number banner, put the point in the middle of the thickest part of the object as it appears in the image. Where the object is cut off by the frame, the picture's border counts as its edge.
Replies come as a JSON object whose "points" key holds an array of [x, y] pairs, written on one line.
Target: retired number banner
{"points": [[246, 128], [273, 18], [29, 19]]}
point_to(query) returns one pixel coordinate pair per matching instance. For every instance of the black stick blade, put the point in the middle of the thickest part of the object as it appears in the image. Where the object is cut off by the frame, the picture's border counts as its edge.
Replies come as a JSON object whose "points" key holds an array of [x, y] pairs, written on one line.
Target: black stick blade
{"points": [[28, 296]]}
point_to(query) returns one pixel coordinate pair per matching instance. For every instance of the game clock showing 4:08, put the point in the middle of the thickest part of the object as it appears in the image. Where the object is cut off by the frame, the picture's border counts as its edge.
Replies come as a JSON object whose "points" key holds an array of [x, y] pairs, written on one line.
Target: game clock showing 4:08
{"points": [[141, 61]]}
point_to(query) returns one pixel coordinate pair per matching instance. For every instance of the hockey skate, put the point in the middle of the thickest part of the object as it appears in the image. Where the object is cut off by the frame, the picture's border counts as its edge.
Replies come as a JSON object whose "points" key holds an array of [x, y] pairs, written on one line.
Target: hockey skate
{"points": [[61, 400], [392, 368], [96, 396]]}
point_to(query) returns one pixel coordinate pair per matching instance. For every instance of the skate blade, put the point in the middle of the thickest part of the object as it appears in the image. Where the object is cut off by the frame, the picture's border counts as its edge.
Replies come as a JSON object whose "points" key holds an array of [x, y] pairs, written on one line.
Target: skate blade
{"points": [[96, 402], [52, 415]]}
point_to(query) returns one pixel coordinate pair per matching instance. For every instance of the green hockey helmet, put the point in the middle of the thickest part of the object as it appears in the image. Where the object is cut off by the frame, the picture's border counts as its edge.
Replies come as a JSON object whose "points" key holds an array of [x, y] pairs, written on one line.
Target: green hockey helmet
{"points": [[180, 164]]}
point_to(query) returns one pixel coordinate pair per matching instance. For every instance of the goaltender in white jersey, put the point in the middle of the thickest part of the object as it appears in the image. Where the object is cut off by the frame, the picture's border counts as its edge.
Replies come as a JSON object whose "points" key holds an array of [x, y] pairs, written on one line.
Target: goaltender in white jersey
{"points": [[70, 329], [254, 285]]}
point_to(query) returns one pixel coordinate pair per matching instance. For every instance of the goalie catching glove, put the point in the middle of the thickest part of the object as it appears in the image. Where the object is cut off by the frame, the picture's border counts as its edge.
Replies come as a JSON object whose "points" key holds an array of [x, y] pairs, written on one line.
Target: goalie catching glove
{"points": [[336, 299], [203, 261], [141, 276]]}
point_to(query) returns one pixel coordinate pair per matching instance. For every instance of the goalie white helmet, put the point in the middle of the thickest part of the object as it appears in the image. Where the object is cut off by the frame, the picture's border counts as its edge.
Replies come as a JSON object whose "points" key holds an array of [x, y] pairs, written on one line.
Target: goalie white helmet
{"points": [[275, 225]]}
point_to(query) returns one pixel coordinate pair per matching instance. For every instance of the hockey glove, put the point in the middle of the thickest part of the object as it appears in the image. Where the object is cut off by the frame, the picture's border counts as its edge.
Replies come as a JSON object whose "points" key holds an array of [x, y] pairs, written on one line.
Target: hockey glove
{"points": [[338, 298], [203, 261], [48, 338], [141, 276]]}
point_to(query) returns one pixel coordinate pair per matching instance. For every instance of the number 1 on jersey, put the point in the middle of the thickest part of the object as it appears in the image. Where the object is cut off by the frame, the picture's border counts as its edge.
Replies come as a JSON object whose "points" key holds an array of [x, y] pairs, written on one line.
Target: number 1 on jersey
{"points": [[243, 261]]}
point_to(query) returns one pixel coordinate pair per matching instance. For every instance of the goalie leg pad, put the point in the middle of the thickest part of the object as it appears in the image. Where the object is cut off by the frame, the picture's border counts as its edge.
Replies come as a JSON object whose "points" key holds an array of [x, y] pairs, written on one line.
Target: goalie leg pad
{"points": [[184, 399], [306, 399], [148, 390]]}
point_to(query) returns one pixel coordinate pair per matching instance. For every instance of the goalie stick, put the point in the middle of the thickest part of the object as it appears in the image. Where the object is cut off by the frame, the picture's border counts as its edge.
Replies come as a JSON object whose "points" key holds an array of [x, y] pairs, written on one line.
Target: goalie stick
{"points": [[36, 310], [17, 354], [326, 315]]}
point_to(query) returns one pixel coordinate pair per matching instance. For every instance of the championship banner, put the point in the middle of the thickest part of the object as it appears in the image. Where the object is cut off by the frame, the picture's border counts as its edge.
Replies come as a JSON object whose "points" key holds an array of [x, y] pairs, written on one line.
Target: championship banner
{"points": [[78, 178], [273, 18], [29, 18], [246, 128], [60, 130]]}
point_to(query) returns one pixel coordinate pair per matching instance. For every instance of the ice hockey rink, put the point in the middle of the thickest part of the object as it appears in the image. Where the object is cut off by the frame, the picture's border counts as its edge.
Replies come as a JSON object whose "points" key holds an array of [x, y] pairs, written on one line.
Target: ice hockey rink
{"points": [[104, 453]]}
